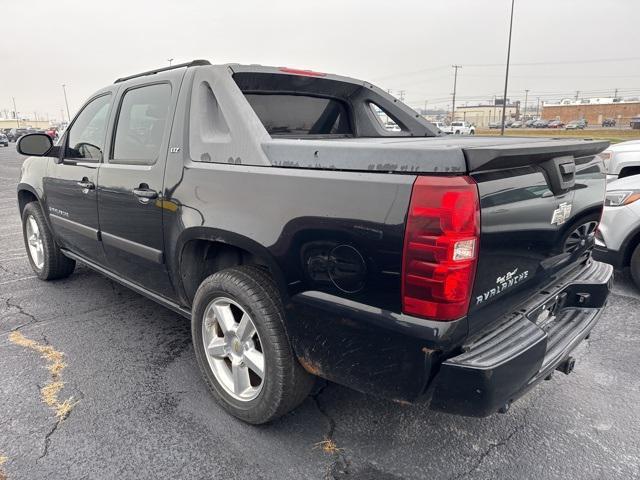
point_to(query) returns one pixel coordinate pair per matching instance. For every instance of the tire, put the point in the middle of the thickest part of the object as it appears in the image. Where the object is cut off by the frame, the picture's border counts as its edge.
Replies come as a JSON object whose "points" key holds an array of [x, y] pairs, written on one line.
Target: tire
{"points": [[246, 290], [634, 266], [52, 264], [578, 235]]}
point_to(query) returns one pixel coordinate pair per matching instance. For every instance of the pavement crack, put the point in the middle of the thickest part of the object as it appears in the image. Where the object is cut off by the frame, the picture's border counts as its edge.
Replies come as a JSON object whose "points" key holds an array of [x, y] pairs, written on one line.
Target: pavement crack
{"points": [[11, 304], [47, 440], [492, 447], [341, 465]]}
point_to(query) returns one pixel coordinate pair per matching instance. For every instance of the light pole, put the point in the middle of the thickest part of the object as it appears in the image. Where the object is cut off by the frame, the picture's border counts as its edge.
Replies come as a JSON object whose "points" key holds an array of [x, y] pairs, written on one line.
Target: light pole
{"points": [[455, 84], [526, 96], [65, 101], [506, 75], [169, 60], [15, 112]]}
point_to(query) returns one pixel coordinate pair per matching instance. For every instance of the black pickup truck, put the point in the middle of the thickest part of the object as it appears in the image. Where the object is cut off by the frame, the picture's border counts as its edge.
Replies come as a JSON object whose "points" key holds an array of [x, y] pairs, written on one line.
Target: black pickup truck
{"points": [[304, 237]]}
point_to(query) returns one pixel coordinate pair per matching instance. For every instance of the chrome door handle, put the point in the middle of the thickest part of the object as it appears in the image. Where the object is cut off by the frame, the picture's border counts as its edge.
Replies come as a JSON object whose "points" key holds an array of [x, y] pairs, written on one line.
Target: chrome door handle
{"points": [[145, 193], [84, 183]]}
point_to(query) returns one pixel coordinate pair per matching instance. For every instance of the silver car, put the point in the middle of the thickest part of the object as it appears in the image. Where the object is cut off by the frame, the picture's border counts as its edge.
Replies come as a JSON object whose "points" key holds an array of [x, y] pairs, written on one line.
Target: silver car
{"points": [[617, 239]]}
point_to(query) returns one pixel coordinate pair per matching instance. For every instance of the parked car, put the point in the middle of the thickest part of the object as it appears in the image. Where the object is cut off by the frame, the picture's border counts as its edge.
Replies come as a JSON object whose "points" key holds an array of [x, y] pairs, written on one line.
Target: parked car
{"points": [[540, 124], [4, 141], [16, 133], [618, 235], [439, 125], [493, 125], [609, 122], [530, 123], [459, 128], [622, 160], [555, 124], [635, 123], [252, 200], [516, 124], [575, 125]]}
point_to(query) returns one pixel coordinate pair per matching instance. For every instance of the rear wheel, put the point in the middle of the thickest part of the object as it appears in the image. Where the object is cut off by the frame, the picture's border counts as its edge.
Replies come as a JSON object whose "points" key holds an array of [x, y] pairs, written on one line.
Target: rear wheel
{"points": [[579, 236], [45, 257], [241, 346], [634, 266]]}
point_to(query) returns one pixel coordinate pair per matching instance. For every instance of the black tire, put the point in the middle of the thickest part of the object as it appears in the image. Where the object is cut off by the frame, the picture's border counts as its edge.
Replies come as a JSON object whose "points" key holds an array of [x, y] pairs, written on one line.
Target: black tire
{"points": [[55, 264], [634, 266], [285, 384], [579, 233]]}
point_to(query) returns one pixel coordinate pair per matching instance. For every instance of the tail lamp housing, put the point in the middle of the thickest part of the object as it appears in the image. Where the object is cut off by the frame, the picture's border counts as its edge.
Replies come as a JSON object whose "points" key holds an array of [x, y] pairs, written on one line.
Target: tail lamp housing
{"points": [[441, 242]]}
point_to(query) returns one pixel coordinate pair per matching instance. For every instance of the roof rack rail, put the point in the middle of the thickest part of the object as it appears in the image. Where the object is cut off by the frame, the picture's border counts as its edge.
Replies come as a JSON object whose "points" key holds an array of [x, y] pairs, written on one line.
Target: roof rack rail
{"points": [[193, 63]]}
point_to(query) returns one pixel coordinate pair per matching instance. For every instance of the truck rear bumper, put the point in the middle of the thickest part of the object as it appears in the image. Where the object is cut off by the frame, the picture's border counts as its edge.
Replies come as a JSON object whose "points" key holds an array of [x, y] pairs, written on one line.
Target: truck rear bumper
{"points": [[503, 362]]}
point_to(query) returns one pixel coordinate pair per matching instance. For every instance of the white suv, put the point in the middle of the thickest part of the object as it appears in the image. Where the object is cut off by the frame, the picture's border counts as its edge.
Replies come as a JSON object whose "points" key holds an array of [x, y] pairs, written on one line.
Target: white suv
{"points": [[622, 160]]}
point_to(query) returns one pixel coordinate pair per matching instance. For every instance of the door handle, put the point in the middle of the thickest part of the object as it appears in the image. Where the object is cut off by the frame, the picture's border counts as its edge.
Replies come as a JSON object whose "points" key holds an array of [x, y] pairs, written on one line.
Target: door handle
{"points": [[145, 193], [86, 184]]}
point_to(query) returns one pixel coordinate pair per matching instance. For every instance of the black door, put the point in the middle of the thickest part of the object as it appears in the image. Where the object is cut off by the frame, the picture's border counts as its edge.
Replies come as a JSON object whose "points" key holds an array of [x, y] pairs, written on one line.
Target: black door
{"points": [[70, 185], [131, 181]]}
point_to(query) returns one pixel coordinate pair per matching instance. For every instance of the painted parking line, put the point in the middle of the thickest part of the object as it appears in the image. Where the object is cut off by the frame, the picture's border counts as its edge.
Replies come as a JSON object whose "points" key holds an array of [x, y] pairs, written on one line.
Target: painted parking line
{"points": [[18, 280]]}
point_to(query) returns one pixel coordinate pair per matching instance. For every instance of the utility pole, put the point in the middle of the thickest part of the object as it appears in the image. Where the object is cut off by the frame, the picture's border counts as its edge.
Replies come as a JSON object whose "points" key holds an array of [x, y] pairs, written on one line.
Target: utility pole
{"points": [[455, 85], [506, 75], [401, 95], [15, 112], [526, 96], [615, 94], [538, 108], [425, 107], [65, 101], [577, 94]]}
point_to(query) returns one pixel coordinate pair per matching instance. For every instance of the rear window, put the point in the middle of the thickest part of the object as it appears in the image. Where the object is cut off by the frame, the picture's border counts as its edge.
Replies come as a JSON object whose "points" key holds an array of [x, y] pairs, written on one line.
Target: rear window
{"points": [[298, 115]]}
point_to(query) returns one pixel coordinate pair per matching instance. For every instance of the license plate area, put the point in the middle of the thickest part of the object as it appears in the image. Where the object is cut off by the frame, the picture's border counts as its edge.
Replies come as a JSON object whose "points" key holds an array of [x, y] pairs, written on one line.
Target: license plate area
{"points": [[544, 314]]}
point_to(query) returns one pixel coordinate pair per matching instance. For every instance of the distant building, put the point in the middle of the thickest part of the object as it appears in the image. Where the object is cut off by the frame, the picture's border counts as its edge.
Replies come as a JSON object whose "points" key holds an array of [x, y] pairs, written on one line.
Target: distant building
{"points": [[593, 110], [482, 115], [11, 123]]}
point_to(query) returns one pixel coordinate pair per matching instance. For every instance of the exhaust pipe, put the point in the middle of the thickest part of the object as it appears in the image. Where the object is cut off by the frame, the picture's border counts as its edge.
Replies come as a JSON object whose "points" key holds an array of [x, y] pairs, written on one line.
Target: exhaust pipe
{"points": [[567, 365]]}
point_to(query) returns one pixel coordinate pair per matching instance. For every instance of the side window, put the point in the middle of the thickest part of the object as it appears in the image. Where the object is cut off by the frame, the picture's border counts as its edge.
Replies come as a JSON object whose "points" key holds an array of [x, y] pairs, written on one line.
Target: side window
{"points": [[85, 139], [141, 124]]}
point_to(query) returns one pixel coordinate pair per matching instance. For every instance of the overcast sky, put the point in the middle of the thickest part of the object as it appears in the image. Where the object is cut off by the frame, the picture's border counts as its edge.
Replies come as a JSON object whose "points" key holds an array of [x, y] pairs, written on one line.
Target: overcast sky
{"points": [[586, 45]]}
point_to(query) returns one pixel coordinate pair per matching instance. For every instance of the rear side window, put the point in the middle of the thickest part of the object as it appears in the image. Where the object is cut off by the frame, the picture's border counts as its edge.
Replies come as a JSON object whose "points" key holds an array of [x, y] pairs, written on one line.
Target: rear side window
{"points": [[141, 124], [297, 115]]}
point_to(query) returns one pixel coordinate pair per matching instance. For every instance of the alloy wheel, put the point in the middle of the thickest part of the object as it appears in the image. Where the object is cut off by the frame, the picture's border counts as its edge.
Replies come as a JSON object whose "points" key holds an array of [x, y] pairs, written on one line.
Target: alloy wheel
{"points": [[233, 349], [35, 243], [579, 237]]}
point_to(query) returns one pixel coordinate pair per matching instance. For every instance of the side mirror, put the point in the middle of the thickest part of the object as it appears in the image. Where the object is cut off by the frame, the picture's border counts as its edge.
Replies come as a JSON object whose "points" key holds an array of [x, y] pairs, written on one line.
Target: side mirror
{"points": [[35, 144]]}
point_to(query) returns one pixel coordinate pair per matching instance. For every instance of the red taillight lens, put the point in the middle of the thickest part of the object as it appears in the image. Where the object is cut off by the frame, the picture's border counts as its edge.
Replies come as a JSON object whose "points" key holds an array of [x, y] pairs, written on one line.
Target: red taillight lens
{"points": [[440, 247], [304, 73]]}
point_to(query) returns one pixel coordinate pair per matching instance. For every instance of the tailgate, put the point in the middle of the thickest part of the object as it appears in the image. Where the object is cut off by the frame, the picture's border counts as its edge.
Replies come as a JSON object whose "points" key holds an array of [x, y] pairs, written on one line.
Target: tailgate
{"points": [[539, 205]]}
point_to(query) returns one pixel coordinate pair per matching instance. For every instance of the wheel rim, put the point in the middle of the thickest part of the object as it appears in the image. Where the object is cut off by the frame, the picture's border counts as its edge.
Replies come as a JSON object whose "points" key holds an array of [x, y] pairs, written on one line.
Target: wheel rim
{"points": [[579, 237], [35, 243], [233, 349]]}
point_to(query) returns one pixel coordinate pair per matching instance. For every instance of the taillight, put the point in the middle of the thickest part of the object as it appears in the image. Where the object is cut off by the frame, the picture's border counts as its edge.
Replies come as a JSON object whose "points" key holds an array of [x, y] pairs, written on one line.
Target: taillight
{"points": [[441, 243], [304, 73]]}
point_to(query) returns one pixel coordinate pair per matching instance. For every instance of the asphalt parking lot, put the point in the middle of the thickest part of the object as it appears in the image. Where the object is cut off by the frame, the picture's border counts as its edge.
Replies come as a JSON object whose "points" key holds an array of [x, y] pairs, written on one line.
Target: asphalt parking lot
{"points": [[120, 371]]}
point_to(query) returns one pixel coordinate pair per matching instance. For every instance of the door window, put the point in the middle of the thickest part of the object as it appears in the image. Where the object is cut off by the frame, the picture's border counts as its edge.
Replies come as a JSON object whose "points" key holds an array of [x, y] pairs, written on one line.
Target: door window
{"points": [[85, 139], [141, 124]]}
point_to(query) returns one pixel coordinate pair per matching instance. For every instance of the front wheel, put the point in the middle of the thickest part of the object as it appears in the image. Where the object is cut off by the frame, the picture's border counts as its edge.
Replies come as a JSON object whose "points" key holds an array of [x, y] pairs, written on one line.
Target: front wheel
{"points": [[241, 346], [45, 257]]}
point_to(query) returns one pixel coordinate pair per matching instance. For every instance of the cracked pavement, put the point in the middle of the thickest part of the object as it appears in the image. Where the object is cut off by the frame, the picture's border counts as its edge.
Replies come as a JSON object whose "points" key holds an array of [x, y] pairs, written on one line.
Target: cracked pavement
{"points": [[143, 411]]}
